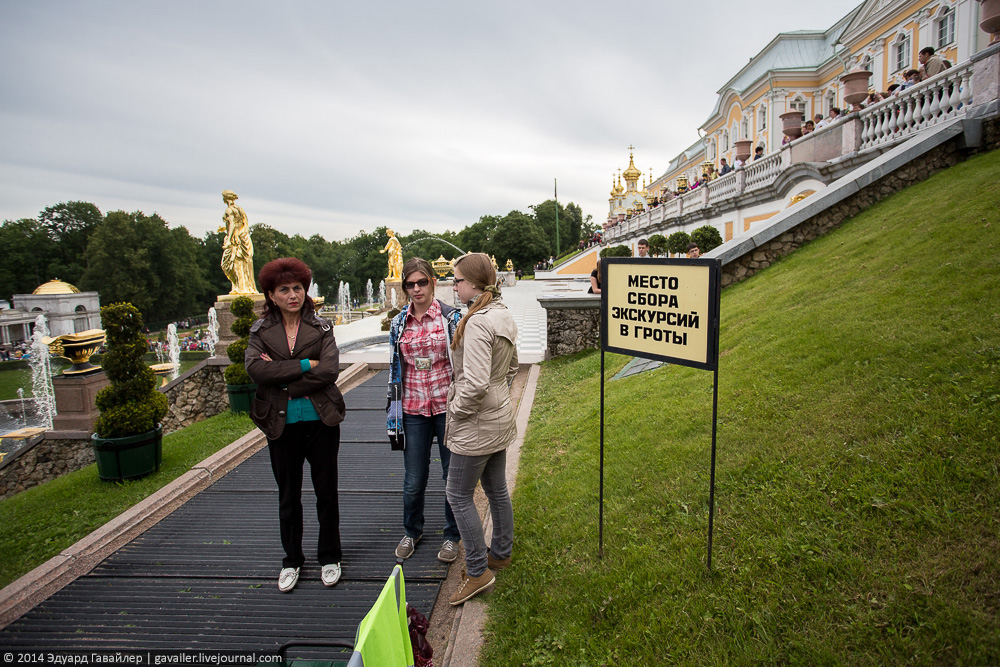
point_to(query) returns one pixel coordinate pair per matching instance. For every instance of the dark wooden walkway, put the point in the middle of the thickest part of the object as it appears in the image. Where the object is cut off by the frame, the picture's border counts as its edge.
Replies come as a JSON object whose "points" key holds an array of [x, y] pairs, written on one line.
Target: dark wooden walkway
{"points": [[206, 576]]}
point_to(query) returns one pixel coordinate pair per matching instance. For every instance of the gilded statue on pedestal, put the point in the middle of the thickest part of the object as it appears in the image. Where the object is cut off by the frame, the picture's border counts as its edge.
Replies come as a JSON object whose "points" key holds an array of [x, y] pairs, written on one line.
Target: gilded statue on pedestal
{"points": [[237, 248], [395, 250]]}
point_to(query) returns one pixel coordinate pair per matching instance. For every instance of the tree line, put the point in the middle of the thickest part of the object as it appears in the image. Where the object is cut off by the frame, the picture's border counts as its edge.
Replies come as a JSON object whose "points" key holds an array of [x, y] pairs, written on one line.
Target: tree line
{"points": [[168, 274]]}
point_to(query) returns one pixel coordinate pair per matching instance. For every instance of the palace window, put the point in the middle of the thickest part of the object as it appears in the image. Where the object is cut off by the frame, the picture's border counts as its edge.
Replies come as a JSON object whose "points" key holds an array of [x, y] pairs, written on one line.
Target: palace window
{"points": [[761, 117], [901, 52], [745, 128], [798, 104], [946, 28], [725, 141]]}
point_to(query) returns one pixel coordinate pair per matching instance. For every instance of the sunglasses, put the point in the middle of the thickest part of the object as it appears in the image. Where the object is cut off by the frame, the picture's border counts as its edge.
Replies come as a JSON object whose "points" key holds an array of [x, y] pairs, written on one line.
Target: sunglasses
{"points": [[458, 281], [423, 282]]}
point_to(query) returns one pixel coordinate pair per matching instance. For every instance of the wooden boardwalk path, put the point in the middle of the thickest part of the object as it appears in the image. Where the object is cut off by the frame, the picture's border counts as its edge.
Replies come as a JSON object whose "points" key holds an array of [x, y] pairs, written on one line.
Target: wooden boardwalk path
{"points": [[205, 577]]}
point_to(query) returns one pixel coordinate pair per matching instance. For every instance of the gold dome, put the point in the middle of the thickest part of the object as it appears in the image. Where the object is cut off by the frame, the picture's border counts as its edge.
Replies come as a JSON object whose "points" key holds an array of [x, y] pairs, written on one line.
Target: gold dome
{"points": [[56, 287], [613, 188], [631, 174], [619, 190]]}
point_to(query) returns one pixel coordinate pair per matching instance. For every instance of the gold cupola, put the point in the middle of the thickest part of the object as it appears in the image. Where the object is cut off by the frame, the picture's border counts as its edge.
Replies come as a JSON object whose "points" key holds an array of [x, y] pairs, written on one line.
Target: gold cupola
{"points": [[56, 287], [631, 174]]}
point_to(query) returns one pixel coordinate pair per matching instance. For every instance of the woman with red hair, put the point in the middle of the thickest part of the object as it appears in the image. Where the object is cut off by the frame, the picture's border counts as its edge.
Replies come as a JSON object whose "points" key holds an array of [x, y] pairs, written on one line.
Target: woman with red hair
{"points": [[293, 357]]}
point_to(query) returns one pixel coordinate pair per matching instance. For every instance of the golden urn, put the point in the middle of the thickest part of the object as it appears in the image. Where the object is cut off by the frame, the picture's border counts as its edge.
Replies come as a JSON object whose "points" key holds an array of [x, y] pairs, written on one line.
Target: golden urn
{"points": [[78, 348], [441, 266]]}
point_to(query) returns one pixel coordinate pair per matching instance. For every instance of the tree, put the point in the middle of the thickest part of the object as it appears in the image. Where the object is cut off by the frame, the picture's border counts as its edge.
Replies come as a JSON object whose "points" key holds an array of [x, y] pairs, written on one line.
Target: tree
{"points": [[28, 252], [478, 237], [138, 259], [616, 251], [570, 224], [677, 243], [520, 239], [70, 225], [657, 244], [707, 238]]}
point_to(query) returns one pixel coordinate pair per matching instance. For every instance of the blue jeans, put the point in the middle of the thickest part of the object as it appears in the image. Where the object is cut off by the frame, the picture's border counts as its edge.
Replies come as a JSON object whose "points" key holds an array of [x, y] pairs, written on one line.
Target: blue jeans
{"points": [[489, 469], [420, 432]]}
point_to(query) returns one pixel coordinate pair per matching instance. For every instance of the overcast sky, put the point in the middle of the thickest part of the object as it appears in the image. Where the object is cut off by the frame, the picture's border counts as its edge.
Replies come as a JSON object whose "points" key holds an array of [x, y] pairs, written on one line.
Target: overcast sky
{"points": [[333, 117]]}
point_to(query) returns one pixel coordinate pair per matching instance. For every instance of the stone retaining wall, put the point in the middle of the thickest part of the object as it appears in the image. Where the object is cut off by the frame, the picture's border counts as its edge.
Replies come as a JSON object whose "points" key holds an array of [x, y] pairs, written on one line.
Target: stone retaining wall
{"points": [[920, 169], [572, 324], [196, 395], [44, 458]]}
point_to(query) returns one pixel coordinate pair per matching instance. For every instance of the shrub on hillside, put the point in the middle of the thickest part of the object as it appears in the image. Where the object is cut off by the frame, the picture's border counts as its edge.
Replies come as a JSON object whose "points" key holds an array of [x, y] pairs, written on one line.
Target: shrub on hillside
{"points": [[707, 238]]}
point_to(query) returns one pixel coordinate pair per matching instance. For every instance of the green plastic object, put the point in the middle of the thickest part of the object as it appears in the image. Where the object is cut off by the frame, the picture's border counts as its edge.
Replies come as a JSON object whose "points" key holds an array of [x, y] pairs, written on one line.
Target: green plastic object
{"points": [[129, 457]]}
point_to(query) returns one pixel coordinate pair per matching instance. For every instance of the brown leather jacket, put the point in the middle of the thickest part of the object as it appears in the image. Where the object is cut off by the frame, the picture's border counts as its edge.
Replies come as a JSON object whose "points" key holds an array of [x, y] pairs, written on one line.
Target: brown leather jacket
{"points": [[282, 377]]}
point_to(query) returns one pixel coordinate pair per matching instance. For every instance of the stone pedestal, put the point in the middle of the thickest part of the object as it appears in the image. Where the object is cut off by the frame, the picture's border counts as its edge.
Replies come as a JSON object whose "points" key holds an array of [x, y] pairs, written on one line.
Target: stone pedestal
{"points": [[445, 291], [509, 278], [226, 319], [75, 400], [400, 294]]}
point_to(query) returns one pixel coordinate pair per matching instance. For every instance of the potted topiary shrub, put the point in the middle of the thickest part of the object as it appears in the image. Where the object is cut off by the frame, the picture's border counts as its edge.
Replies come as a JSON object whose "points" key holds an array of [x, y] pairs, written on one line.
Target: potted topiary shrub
{"points": [[128, 436], [238, 384]]}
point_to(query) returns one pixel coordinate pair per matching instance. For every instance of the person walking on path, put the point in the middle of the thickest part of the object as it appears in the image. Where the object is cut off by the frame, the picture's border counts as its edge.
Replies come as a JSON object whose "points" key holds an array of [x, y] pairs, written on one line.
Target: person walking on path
{"points": [[420, 369], [293, 358], [480, 422]]}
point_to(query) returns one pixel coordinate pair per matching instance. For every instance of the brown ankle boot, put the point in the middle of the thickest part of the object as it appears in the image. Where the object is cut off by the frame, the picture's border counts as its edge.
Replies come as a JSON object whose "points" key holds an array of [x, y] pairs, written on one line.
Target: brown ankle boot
{"points": [[472, 586], [497, 564]]}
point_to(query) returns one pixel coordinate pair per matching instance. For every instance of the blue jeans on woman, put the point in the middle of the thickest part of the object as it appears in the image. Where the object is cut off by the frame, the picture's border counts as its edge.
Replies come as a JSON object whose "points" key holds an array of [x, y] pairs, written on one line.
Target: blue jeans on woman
{"points": [[419, 432]]}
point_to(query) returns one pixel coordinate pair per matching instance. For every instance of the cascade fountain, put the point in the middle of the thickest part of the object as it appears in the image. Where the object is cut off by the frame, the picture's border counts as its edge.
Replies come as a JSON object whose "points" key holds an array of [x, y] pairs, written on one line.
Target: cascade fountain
{"points": [[381, 293], [368, 293], [344, 302], [175, 350], [393, 297], [41, 374], [313, 291], [213, 331]]}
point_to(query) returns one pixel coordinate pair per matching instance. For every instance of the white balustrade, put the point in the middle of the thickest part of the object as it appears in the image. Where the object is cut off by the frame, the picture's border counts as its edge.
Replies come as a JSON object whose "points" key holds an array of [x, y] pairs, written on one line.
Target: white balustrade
{"points": [[936, 100], [762, 172]]}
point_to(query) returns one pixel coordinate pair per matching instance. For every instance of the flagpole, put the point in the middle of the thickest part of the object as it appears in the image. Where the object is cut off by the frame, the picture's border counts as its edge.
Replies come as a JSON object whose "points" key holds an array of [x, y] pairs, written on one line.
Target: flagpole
{"points": [[556, 181]]}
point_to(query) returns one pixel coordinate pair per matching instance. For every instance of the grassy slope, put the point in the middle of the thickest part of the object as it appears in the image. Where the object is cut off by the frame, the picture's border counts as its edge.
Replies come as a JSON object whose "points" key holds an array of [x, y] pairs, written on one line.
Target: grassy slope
{"points": [[42, 521], [857, 480]]}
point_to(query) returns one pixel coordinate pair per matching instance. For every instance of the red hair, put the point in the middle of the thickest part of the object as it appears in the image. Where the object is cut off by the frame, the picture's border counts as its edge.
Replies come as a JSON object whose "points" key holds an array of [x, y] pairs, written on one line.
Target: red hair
{"points": [[284, 271]]}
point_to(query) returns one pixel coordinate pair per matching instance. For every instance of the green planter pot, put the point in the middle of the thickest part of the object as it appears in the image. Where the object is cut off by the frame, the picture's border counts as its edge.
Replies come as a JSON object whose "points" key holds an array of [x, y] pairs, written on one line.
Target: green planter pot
{"points": [[240, 396], [129, 457]]}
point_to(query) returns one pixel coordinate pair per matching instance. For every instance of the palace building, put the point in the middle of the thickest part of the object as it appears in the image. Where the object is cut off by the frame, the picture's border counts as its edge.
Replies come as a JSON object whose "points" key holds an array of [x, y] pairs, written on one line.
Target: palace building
{"points": [[801, 72]]}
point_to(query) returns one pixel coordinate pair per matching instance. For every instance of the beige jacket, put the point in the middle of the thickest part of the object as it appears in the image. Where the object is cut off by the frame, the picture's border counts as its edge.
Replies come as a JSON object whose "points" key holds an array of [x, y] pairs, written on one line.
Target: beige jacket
{"points": [[480, 411]]}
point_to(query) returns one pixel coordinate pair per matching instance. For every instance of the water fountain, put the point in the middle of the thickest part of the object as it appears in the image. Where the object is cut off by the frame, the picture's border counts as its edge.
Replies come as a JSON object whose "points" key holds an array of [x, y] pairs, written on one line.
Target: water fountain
{"points": [[175, 350], [344, 302], [393, 297], [381, 293], [368, 293], [213, 331], [24, 410], [314, 291], [160, 356], [41, 374]]}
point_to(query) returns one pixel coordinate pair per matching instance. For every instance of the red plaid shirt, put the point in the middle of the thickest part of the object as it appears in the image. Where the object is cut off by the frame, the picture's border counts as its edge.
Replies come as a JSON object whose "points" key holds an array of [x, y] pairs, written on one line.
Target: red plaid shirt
{"points": [[425, 341]]}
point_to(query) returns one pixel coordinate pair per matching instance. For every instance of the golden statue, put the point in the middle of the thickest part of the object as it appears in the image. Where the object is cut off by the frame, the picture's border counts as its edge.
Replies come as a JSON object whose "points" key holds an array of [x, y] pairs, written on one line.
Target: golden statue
{"points": [[493, 261], [237, 248], [395, 250]]}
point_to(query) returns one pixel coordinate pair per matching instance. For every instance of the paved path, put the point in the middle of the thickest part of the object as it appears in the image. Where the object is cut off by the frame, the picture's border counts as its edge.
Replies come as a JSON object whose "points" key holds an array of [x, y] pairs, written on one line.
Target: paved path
{"points": [[205, 577]]}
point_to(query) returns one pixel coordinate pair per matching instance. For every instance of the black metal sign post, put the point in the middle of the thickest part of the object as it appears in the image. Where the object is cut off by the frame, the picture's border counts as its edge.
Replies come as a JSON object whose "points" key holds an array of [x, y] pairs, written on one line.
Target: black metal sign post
{"points": [[665, 309]]}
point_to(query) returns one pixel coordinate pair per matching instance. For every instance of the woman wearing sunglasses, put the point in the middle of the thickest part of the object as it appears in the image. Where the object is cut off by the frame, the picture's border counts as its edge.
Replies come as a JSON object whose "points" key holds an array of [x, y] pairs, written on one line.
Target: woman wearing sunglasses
{"points": [[419, 376]]}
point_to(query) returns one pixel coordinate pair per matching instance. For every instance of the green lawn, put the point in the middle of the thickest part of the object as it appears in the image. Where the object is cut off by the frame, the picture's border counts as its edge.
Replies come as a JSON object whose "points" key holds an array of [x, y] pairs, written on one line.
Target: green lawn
{"points": [[858, 460], [42, 521], [11, 380]]}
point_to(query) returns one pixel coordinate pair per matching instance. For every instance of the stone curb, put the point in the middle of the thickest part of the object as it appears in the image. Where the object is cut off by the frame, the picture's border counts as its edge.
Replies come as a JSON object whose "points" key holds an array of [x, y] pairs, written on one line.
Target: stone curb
{"points": [[466, 635], [22, 595]]}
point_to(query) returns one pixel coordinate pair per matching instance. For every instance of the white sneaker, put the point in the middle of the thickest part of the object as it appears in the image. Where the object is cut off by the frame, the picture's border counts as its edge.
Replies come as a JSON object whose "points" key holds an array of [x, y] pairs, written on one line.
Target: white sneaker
{"points": [[331, 574], [287, 579]]}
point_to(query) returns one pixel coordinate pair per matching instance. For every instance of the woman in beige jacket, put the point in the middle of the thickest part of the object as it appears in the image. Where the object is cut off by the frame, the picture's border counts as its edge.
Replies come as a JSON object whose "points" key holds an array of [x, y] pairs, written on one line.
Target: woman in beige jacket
{"points": [[480, 422]]}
